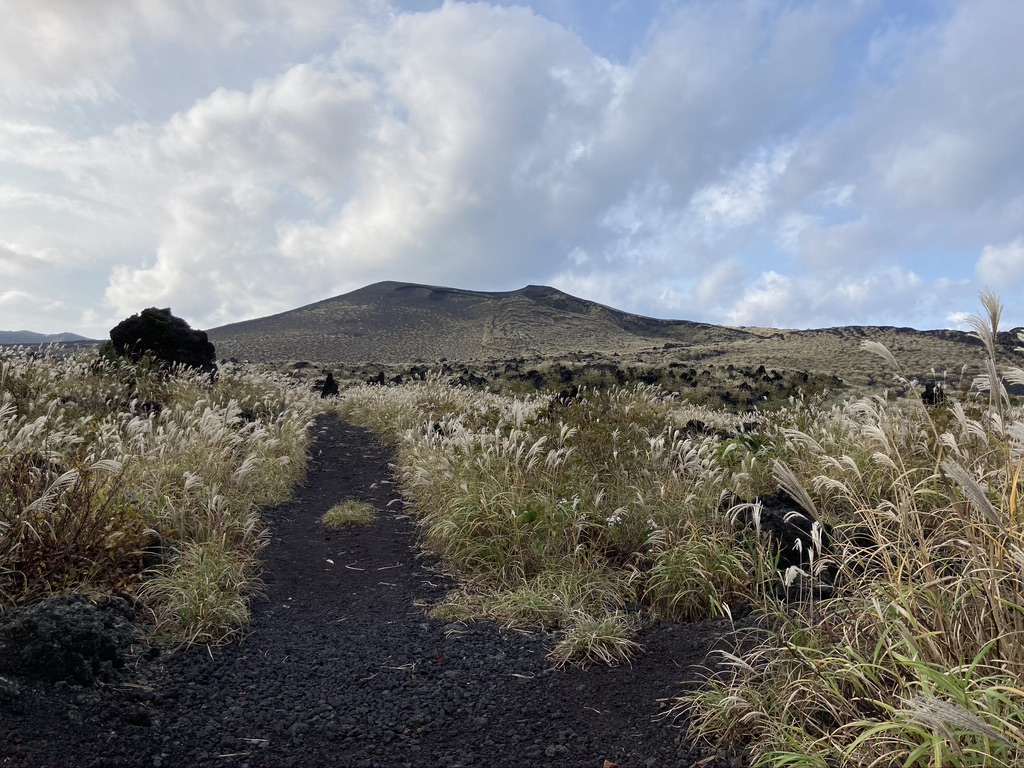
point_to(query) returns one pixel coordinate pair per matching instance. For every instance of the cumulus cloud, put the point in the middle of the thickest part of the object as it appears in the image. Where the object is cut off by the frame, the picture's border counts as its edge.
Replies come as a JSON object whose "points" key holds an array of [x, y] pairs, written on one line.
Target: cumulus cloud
{"points": [[753, 163], [743, 197], [419, 154], [881, 297], [62, 49], [72, 51], [15, 297], [1002, 266], [719, 285], [922, 146]]}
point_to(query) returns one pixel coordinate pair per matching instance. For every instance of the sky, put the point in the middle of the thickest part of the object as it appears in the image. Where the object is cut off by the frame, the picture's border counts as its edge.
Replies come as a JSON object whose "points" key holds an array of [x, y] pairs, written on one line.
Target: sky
{"points": [[790, 163]]}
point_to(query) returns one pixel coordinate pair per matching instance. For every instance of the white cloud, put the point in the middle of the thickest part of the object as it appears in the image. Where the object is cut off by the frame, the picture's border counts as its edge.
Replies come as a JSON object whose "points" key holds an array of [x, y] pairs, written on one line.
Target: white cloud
{"points": [[470, 145], [473, 174], [928, 141], [62, 49], [744, 196], [959, 320], [1002, 267], [719, 285], [393, 159], [69, 50], [838, 196], [30, 305], [770, 301], [240, 158], [14, 260], [876, 298], [16, 298], [926, 172]]}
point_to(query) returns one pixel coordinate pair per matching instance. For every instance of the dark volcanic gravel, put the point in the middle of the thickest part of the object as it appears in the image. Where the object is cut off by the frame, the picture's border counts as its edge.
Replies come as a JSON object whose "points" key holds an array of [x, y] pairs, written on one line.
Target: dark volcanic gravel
{"points": [[342, 667]]}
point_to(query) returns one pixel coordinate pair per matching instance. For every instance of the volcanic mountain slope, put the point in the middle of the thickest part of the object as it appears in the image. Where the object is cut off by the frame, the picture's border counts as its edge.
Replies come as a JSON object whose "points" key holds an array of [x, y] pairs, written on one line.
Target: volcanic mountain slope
{"points": [[402, 324], [394, 322]]}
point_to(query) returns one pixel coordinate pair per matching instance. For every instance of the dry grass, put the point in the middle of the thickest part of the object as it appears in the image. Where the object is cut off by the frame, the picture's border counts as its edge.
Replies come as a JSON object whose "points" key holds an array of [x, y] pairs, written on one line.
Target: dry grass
{"points": [[567, 514], [594, 514], [918, 661], [104, 463]]}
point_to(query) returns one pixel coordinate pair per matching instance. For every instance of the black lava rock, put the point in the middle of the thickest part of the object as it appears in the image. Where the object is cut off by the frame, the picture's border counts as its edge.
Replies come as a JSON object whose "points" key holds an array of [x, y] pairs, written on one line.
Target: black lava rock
{"points": [[330, 386], [169, 339], [66, 638]]}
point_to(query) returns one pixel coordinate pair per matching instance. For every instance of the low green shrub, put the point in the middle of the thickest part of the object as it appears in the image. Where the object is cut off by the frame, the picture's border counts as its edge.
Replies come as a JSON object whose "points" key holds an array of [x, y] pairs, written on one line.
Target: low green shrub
{"points": [[349, 514]]}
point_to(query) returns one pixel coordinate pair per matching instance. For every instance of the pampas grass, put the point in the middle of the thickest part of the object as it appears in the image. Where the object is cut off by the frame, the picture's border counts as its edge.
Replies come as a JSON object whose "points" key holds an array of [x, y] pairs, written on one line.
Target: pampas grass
{"points": [[915, 661], [576, 515], [92, 478]]}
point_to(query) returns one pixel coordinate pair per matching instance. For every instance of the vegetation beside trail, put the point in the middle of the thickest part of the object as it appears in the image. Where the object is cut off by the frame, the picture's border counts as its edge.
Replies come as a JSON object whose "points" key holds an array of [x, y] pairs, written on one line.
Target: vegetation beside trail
{"points": [[123, 477], [590, 512], [598, 511], [919, 658], [568, 513]]}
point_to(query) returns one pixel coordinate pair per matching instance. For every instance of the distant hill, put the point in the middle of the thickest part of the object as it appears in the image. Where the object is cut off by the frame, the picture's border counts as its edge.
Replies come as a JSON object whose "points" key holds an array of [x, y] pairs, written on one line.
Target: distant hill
{"points": [[30, 337], [393, 322]]}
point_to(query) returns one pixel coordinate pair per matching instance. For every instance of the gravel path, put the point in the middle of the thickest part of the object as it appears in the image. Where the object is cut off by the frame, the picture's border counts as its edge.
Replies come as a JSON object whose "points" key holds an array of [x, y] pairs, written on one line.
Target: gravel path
{"points": [[342, 667]]}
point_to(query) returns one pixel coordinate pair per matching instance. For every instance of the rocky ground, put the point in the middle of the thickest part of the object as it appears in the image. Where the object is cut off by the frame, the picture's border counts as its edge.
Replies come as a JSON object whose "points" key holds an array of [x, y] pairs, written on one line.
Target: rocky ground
{"points": [[342, 667]]}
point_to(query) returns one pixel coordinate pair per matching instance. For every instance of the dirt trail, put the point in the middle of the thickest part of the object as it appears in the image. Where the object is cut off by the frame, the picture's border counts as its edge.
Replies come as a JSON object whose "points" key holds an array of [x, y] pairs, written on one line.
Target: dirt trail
{"points": [[342, 667]]}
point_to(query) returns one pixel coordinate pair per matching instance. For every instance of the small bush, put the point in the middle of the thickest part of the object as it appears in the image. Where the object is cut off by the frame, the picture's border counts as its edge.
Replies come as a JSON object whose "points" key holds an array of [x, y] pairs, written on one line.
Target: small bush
{"points": [[65, 529], [696, 578], [349, 514], [202, 596], [596, 640]]}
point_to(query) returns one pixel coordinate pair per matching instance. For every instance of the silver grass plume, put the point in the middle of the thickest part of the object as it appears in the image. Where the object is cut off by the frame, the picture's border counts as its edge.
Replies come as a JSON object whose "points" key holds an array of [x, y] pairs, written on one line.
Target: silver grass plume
{"points": [[790, 484], [945, 716], [976, 495], [878, 348]]}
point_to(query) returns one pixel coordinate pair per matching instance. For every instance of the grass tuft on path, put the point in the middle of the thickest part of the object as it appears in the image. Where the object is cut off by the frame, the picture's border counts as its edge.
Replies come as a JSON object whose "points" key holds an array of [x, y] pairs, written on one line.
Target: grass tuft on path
{"points": [[349, 514]]}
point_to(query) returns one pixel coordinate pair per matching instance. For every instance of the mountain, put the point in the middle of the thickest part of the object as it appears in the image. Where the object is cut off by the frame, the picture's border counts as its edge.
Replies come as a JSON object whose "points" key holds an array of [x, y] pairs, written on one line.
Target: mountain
{"points": [[402, 324], [399, 325], [30, 337], [393, 322]]}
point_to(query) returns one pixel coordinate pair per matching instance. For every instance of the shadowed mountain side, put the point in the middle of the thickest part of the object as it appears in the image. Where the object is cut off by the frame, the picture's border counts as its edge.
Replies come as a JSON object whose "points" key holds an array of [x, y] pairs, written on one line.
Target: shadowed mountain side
{"points": [[394, 322]]}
